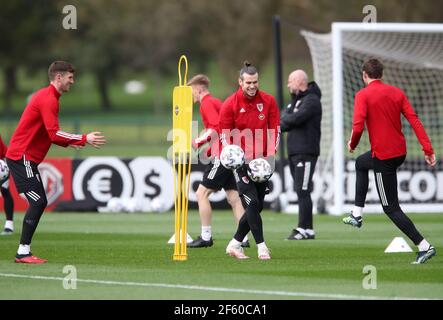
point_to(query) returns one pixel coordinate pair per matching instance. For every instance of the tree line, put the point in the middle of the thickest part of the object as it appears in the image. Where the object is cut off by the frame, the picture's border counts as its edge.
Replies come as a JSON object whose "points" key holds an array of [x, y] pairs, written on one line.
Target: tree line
{"points": [[116, 35]]}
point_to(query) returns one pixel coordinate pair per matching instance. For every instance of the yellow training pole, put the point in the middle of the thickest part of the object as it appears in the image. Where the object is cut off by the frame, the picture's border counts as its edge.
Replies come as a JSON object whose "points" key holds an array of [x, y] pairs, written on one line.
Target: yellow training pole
{"points": [[181, 162]]}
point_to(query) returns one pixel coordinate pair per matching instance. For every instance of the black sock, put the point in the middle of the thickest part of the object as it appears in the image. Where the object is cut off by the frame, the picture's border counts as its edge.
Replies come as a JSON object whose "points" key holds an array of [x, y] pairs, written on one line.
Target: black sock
{"points": [[37, 204], [8, 202], [243, 229], [29, 226], [252, 215], [406, 226]]}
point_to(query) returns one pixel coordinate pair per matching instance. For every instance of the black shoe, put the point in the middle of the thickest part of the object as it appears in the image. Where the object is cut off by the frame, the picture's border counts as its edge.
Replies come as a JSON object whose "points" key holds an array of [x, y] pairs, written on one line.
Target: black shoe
{"points": [[297, 235], [200, 243], [20, 256], [424, 256], [7, 232], [353, 221], [245, 244]]}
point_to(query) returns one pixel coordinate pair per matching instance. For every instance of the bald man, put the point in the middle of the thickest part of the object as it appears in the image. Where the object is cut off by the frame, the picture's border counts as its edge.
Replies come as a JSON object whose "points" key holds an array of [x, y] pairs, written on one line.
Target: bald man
{"points": [[302, 119]]}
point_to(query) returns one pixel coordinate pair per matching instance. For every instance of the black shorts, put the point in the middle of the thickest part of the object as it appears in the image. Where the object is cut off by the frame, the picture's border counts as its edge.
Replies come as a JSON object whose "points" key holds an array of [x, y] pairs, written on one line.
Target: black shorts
{"points": [[25, 174], [217, 177]]}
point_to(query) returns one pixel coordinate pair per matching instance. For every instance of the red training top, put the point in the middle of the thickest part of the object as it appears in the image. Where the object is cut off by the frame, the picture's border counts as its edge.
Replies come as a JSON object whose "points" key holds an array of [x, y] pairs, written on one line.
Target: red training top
{"points": [[209, 110], [247, 122], [39, 127], [3, 148], [380, 106]]}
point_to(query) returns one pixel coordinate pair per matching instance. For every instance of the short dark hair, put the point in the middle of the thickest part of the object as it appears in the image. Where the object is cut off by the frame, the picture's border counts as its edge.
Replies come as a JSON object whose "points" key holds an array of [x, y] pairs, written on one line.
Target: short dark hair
{"points": [[247, 68], [59, 67], [199, 79], [373, 68]]}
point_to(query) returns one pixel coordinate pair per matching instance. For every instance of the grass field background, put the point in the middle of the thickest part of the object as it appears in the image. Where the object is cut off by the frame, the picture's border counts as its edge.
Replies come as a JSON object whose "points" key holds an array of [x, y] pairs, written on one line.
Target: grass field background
{"points": [[132, 251]]}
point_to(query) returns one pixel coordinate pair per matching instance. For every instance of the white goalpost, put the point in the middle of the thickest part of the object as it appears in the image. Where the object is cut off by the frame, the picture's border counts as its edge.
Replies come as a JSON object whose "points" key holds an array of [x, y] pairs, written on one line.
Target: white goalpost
{"points": [[413, 57]]}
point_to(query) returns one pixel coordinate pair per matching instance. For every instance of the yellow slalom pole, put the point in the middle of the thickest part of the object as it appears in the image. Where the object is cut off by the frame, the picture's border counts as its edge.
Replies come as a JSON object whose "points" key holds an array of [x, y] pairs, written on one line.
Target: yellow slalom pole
{"points": [[187, 190], [182, 124], [184, 215], [176, 207], [178, 211]]}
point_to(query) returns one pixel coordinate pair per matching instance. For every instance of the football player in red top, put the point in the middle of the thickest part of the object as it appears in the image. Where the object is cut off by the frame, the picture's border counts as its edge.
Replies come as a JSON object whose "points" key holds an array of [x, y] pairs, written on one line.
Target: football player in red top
{"points": [[37, 129], [215, 176], [8, 201], [380, 107], [250, 118]]}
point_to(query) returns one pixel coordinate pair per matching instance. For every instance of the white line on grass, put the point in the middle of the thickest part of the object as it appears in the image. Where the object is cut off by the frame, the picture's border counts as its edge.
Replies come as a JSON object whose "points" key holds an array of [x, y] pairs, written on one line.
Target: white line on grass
{"points": [[217, 289]]}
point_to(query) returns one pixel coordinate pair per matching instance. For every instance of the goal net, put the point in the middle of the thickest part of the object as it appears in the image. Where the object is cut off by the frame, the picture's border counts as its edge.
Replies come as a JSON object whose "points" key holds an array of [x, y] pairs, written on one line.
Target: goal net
{"points": [[413, 58]]}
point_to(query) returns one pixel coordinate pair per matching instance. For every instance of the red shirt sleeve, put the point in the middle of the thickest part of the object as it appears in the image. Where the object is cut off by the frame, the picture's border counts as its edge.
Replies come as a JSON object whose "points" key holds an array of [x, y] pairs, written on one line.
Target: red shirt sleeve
{"points": [[210, 113], [49, 115], [203, 138], [358, 124], [226, 122], [417, 126], [210, 117]]}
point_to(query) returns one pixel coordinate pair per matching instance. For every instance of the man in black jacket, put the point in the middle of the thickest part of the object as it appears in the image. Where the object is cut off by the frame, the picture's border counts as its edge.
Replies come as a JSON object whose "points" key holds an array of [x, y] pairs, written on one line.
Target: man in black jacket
{"points": [[301, 120]]}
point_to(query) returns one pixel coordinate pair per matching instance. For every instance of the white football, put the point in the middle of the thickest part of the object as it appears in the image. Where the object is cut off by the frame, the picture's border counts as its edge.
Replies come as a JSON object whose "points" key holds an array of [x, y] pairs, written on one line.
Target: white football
{"points": [[158, 205], [232, 157], [129, 204], [115, 205], [259, 170], [4, 171]]}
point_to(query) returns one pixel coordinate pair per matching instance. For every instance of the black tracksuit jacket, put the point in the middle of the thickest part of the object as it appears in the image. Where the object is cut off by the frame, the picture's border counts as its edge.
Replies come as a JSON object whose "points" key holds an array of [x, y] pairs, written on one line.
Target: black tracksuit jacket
{"points": [[302, 120]]}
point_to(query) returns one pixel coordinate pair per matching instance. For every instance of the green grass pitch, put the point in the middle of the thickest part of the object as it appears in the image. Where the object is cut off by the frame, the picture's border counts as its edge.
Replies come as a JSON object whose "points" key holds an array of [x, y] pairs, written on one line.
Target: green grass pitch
{"points": [[126, 256]]}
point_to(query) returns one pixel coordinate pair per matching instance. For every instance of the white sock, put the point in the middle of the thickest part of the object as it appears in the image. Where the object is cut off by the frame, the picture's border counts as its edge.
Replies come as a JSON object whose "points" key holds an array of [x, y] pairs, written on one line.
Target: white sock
{"points": [[310, 232], [245, 238], [262, 246], [423, 245], [357, 211], [234, 243], [24, 249], [9, 224], [206, 233]]}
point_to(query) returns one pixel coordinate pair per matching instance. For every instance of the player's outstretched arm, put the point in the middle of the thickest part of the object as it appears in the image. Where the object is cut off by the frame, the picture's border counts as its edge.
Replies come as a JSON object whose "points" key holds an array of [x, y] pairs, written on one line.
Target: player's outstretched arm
{"points": [[349, 147], [430, 160], [96, 139]]}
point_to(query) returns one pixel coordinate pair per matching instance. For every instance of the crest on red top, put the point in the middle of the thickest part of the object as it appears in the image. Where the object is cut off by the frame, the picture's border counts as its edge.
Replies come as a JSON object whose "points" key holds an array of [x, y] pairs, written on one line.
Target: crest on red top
{"points": [[260, 107]]}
